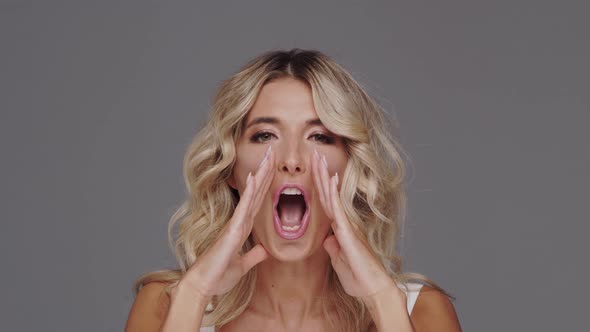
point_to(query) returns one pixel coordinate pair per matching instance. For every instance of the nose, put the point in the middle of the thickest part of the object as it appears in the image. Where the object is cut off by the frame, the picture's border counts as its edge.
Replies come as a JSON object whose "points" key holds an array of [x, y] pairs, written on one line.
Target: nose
{"points": [[291, 160]]}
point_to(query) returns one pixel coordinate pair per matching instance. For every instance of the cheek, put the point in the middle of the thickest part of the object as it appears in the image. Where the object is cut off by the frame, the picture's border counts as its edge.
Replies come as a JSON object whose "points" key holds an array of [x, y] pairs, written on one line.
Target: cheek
{"points": [[340, 164], [249, 156], [245, 162]]}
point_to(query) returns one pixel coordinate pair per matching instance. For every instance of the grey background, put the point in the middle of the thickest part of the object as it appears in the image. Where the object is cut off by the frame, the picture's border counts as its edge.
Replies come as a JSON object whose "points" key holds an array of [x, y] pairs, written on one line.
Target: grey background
{"points": [[100, 99]]}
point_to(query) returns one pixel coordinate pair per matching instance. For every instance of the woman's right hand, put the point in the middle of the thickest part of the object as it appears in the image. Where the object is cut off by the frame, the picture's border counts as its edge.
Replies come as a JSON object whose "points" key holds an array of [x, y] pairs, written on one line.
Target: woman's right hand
{"points": [[220, 268]]}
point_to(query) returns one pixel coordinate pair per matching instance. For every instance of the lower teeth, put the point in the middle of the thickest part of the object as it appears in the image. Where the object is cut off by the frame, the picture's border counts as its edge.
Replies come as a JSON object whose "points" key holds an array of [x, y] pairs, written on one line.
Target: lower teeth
{"points": [[288, 228]]}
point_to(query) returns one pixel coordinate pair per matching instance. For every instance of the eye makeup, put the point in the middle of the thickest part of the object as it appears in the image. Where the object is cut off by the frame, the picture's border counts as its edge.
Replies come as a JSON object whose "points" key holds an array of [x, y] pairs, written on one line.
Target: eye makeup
{"points": [[319, 137]]}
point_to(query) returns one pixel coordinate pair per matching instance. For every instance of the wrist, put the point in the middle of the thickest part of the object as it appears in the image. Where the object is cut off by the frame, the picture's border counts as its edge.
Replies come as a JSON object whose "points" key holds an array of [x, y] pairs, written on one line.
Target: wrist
{"points": [[187, 292], [186, 309], [385, 298], [388, 308]]}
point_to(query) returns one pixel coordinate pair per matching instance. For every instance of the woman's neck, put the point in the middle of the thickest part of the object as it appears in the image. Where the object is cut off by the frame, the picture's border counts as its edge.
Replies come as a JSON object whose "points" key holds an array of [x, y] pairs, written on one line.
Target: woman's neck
{"points": [[290, 291]]}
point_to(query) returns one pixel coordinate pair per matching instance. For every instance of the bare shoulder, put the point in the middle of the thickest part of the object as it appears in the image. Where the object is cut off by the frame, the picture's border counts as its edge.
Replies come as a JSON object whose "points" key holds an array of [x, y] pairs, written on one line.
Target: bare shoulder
{"points": [[433, 311], [149, 309]]}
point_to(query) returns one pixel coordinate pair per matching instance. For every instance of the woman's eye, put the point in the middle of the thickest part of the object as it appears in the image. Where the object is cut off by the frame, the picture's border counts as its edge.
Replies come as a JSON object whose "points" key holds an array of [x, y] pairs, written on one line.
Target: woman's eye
{"points": [[323, 138], [261, 137], [264, 136]]}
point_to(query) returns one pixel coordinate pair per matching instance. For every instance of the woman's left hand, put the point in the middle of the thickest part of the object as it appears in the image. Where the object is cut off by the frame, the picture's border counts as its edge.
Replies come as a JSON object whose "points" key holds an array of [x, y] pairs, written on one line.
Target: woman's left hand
{"points": [[360, 272]]}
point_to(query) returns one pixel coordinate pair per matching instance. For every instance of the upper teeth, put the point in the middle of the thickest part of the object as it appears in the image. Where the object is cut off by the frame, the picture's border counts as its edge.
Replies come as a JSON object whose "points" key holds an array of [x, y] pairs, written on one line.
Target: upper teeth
{"points": [[291, 191]]}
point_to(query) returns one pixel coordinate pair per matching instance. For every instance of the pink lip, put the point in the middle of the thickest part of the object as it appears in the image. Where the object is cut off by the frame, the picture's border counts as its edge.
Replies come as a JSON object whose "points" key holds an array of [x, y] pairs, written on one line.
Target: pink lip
{"points": [[277, 221]]}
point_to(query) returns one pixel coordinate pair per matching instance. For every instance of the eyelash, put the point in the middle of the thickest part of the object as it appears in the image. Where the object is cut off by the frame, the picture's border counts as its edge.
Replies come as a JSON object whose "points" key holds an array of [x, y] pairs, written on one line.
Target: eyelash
{"points": [[326, 139]]}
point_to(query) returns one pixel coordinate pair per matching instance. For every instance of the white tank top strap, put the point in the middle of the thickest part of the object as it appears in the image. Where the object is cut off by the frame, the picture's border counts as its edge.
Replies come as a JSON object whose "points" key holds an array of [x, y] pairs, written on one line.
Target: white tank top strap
{"points": [[411, 289], [208, 328]]}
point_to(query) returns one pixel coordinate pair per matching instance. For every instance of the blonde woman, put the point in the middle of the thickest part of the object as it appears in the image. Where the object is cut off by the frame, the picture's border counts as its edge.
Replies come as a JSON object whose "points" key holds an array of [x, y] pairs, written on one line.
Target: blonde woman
{"points": [[295, 199]]}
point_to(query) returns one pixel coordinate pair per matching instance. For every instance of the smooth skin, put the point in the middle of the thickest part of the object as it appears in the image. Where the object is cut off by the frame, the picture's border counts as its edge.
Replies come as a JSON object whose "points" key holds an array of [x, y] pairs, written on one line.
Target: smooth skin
{"points": [[281, 302]]}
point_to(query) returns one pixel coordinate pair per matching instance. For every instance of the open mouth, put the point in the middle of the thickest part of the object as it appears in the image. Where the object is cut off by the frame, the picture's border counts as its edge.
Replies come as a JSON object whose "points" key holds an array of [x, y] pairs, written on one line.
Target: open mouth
{"points": [[291, 209], [291, 212]]}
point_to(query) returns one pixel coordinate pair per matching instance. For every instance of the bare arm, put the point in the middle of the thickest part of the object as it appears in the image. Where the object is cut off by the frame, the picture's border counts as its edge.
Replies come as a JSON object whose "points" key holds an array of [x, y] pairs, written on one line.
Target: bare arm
{"points": [[186, 310], [156, 311], [149, 309], [433, 311]]}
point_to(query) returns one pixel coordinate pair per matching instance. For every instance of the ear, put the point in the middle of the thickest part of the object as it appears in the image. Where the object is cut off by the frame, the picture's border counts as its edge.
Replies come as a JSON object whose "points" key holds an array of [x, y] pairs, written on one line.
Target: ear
{"points": [[231, 182]]}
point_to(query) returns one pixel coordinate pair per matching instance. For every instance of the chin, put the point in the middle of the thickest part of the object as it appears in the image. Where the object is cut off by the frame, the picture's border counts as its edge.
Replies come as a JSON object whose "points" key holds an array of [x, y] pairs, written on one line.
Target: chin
{"points": [[289, 255]]}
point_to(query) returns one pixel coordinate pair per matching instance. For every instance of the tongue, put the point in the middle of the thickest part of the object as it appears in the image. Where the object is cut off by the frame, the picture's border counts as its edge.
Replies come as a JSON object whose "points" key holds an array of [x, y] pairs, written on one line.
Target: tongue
{"points": [[290, 210]]}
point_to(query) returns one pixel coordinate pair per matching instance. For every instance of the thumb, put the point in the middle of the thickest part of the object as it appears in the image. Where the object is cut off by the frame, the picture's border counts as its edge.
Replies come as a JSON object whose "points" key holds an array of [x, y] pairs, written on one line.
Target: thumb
{"points": [[332, 247], [253, 257]]}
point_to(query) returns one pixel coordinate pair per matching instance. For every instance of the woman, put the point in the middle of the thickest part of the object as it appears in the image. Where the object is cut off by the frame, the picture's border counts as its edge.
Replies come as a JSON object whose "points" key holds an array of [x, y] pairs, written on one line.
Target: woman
{"points": [[295, 201]]}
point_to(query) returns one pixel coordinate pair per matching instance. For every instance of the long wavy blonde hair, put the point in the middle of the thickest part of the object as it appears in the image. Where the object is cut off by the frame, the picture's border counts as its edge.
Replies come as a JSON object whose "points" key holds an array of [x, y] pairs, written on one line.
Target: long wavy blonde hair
{"points": [[372, 189]]}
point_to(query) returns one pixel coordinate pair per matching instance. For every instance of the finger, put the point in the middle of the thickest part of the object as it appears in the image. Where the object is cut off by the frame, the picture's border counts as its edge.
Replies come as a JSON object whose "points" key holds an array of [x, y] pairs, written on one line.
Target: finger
{"points": [[243, 213], [265, 175], [260, 176], [268, 179], [355, 246], [331, 245], [340, 219], [315, 166], [333, 248], [254, 182], [337, 204], [231, 238], [253, 257], [244, 204], [341, 224], [325, 176]]}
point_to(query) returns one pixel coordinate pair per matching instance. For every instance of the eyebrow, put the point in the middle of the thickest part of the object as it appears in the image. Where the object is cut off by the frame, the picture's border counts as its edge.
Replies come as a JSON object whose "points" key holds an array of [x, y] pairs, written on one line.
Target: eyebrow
{"points": [[273, 120]]}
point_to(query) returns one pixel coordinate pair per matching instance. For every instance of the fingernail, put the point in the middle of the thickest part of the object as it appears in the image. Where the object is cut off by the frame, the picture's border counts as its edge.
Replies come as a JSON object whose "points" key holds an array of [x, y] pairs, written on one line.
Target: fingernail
{"points": [[248, 178], [337, 178], [325, 161]]}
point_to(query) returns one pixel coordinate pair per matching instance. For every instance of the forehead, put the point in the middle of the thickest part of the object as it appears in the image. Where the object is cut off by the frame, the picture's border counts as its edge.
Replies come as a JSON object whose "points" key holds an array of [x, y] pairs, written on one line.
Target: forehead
{"points": [[284, 97]]}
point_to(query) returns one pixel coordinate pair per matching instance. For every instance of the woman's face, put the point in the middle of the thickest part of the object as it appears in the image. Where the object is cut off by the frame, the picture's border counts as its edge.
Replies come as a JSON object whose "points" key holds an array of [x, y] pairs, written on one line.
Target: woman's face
{"points": [[282, 116]]}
